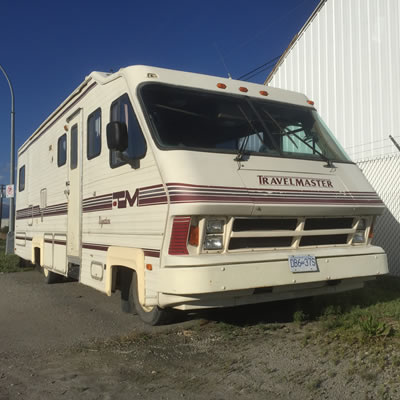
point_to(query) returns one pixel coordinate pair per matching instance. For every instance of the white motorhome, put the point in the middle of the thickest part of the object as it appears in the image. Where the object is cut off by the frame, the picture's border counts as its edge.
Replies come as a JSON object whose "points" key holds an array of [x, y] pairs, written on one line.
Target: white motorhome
{"points": [[187, 191]]}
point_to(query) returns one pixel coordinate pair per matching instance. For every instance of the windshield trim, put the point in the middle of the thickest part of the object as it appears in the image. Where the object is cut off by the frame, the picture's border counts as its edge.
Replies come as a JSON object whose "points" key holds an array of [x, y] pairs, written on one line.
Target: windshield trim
{"points": [[155, 136]]}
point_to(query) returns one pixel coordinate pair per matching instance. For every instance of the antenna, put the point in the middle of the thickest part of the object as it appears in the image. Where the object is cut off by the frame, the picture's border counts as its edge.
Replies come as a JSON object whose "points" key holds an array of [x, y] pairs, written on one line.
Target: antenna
{"points": [[222, 60]]}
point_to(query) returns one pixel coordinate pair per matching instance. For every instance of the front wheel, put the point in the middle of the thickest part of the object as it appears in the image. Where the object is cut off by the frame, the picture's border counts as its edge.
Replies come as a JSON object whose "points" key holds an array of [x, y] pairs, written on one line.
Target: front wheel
{"points": [[150, 315]]}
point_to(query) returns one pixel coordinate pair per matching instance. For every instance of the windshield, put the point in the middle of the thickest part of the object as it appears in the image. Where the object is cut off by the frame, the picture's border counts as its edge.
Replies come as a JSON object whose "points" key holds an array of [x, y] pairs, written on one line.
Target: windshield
{"points": [[206, 121]]}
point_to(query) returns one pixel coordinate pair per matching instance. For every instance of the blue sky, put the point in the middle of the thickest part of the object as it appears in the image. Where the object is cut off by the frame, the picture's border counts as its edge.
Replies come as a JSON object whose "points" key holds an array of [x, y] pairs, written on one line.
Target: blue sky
{"points": [[48, 47]]}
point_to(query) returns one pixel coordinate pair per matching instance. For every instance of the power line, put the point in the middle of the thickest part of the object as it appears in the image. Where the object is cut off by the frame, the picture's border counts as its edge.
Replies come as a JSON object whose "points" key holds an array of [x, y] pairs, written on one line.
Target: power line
{"points": [[258, 70]]}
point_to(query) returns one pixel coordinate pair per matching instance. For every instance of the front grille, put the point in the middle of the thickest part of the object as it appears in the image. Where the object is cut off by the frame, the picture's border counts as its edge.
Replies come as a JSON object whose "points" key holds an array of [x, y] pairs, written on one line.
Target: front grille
{"points": [[291, 233], [323, 240], [270, 224], [328, 223], [259, 243]]}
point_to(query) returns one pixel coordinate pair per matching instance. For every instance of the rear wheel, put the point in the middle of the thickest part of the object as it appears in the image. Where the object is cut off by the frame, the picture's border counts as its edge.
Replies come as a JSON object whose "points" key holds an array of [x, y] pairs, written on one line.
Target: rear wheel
{"points": [[50, 276], [150, 315]]}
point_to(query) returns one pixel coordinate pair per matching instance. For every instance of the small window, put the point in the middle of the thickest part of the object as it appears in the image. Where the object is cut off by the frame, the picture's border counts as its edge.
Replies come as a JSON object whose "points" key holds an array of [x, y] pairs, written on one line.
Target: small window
{"points": [[62, 150], [21, 179], [94, 134], [121, 110], [74, 147]]}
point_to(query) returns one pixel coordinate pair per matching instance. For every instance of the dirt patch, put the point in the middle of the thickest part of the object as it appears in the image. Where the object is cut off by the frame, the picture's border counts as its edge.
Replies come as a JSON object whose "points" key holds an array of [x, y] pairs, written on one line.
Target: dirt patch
{"points": [[207, 360], [67, 341]]}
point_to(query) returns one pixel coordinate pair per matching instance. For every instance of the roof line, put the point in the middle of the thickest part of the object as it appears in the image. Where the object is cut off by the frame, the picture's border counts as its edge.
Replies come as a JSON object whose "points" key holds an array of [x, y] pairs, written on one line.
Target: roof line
{"points": [[294, 40]]}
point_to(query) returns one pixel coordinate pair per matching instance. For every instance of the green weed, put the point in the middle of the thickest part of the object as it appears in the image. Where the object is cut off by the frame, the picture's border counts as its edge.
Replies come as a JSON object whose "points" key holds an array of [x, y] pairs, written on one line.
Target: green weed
{"points": [[299, 317], [8, 263], [372, 327]]}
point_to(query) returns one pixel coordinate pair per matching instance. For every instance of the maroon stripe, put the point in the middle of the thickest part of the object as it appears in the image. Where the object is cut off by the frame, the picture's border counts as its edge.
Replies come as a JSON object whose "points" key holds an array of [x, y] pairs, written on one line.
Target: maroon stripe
{"points": [[152, 253], [54, 213], [102, 247], [213, 188], [222, 199], [92, 246], [152, 201], [204, 186], [97, 207], [184, 198], [102, 197], [152, 187]]}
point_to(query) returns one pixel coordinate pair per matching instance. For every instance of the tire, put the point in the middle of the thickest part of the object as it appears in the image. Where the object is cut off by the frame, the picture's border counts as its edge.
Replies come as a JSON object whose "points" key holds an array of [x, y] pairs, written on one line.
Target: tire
{"points": [[150, 315]]}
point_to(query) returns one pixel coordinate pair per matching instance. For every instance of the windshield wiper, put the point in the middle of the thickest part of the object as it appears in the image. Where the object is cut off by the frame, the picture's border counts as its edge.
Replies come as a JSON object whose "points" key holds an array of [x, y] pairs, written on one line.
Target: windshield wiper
{"points": [[329, 162], [240, 154]]}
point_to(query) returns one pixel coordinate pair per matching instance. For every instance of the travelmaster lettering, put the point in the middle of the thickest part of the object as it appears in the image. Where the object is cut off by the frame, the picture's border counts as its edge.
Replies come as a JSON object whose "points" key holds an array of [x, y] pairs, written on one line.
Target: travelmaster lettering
{"points": [[292, 181]]}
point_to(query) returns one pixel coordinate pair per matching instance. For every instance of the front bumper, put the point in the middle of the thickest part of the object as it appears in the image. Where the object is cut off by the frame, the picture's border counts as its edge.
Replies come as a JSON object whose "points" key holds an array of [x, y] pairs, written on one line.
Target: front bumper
{"points": [[186, 284]]}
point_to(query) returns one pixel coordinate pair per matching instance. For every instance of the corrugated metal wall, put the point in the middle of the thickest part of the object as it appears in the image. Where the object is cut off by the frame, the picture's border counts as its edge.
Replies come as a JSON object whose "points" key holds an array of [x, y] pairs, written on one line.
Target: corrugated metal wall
{"points": [[347, 59]]}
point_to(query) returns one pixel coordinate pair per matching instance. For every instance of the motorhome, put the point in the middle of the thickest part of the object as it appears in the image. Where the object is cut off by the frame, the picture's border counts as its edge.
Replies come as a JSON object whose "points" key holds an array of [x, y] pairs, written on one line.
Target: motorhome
{"points": [[187, 191]]}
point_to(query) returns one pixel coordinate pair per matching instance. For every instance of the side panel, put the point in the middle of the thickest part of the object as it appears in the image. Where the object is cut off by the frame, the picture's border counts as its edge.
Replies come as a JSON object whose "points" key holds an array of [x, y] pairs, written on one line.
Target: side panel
{"points": [[77, 212], [123, 206], [74, 187]]}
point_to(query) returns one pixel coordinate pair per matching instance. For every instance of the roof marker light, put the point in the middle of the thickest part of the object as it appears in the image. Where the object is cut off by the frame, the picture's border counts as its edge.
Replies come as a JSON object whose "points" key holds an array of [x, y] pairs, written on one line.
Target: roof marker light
{"points": [[263, 93], [243, 89], [221, 85], [310, 102]]}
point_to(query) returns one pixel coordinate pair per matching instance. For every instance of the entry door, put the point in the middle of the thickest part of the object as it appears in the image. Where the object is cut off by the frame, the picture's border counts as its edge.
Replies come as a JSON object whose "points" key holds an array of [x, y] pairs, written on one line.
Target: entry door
{"points": [[74, 186]]}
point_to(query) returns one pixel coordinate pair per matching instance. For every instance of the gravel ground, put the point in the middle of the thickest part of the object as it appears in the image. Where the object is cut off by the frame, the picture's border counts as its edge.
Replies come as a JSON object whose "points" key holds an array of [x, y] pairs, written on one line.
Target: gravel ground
{"points": [[66, 341]]}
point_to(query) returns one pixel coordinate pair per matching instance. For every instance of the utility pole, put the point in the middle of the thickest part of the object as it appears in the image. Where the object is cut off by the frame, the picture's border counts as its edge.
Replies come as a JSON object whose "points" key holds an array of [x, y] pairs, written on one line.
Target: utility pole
{"points": [[11, 223], [1, 204]]}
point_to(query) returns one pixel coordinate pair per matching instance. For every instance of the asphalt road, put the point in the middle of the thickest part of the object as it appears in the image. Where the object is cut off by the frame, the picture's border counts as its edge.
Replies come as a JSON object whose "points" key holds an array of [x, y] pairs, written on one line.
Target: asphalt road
{"points": [[36, 316]]}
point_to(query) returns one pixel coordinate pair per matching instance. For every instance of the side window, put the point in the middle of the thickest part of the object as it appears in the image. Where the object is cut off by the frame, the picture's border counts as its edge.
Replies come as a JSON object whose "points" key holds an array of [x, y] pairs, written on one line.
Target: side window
{"points": [[21, 179], [121, 110], [94, 134], [74, 147], [62, 150]]}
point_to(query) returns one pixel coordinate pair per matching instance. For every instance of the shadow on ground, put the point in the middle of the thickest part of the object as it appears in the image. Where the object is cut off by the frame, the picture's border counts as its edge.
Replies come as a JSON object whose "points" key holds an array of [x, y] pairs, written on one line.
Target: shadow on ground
{"points": [[384, 289]]}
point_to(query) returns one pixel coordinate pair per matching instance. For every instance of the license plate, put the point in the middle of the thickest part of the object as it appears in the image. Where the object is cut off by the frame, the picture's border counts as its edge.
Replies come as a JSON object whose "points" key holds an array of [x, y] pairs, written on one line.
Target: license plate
{"points": [[305, 263]]}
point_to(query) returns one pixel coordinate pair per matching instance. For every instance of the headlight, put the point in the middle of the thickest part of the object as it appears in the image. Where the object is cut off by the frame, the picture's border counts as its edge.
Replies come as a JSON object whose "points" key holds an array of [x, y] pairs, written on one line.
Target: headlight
{"points": [[359, 236], [213, 242], [362, 224], [215, 226], [214, 234]]}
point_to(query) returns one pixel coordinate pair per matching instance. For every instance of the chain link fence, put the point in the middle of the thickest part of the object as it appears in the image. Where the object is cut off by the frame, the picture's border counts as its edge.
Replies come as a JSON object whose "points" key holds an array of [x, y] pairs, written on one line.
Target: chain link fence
{"points": [[384, 175]]}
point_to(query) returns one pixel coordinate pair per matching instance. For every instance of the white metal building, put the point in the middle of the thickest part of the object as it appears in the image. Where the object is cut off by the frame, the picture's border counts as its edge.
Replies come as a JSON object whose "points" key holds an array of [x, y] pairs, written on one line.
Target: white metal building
{"points": [[347, 59]]}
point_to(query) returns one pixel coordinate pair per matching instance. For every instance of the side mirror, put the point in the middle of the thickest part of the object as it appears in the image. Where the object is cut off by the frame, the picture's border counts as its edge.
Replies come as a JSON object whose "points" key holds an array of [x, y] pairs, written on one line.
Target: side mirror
{"points": [[117, 136]]}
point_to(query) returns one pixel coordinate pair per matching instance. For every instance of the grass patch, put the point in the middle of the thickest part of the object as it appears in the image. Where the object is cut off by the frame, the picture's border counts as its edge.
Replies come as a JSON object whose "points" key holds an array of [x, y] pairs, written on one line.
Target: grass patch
{"points": [[368, 314], [9, 263]]}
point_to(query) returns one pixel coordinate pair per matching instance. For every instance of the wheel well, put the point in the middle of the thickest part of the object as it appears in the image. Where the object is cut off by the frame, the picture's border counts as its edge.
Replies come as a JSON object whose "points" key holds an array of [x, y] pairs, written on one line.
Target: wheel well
{"points": [[122, 278], [37, 256]]}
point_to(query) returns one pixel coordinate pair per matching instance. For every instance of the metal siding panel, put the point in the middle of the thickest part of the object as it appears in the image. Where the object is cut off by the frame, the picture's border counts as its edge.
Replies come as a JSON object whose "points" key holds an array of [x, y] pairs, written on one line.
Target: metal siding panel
{"points": [[348, 61], [331, 72], [355, 66]]}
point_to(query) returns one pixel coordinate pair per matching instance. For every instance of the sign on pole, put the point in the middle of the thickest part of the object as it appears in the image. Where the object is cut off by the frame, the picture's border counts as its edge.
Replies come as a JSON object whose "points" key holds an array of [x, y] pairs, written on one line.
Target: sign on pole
{"points": [[10, 191]]}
